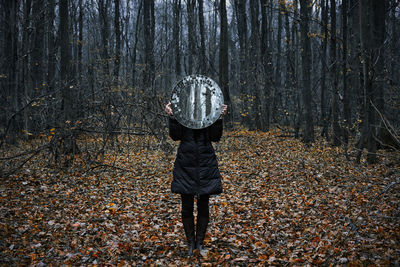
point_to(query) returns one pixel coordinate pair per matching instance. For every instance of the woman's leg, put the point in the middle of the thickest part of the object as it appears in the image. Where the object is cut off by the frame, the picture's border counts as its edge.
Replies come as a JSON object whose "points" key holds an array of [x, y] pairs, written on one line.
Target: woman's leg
{"points": [[188, 220], [187, 205], [203, 214]]}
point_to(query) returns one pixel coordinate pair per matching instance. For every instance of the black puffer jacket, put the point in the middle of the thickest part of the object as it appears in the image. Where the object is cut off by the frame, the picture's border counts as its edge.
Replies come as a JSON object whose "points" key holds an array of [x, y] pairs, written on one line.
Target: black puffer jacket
{"points": [[196, 168]]}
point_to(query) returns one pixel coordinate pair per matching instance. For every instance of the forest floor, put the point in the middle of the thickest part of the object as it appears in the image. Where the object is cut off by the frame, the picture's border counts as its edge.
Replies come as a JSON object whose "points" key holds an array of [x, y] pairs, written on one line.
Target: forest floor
{"points": [[283, 204]]}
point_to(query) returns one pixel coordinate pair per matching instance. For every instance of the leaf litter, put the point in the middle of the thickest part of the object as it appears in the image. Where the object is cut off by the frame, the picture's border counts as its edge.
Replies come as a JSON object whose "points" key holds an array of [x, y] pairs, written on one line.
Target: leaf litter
{"points": [[284, 203]]}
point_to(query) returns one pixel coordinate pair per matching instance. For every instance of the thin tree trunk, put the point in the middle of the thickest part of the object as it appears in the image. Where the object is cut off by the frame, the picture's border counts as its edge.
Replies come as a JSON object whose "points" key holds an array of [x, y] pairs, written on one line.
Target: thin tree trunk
{"points": [[289, 69], [138, 16], [37, 59], [223, 58], [254, 53], [335, 89], [305, 13], [241, 17], [378, 52], [190, 6], [295, 83], [26, 70], [324, 45], [80, 41], [355, 76], [278, 71], [394, 69], [117, 30], [346, 93], [368, 130], [51, 56], [103, 17], [177, 12], [379, 30], [266, 60], [8, 66], [65, 60], [202, 61], [148, 24]]}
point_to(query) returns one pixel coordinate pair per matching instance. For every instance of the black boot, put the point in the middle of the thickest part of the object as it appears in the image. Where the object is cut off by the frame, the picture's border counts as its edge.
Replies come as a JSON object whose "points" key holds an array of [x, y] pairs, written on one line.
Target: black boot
{"points": [[201, 229], [188, 225]]}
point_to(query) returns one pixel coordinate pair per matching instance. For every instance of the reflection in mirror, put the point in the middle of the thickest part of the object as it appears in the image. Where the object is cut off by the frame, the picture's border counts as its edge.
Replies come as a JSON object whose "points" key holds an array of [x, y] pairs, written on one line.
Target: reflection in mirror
{"points": [[197, 101]]}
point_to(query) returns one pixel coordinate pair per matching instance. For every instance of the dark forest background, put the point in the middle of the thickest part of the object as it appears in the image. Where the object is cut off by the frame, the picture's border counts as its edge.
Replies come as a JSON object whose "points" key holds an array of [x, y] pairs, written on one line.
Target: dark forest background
{"points": [[107, 67]]}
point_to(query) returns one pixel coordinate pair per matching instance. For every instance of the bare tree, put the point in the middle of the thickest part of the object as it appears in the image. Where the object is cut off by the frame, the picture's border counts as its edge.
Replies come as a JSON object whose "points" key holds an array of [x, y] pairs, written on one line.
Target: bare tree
{"points": [[176, 30], [255, 95], [305, 12], [266, 60], [346, 93], [117, 29], [324, 45], [190, 7], [202, 49], [148, 37], [278, 70], [241, 17], [372, 20], [223, 56], [335, 89]]}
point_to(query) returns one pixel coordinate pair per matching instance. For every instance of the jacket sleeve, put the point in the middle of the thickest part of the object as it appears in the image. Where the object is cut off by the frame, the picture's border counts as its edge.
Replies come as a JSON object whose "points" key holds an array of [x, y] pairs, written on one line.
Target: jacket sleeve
{"points": [[215, 130], [175, 129]]}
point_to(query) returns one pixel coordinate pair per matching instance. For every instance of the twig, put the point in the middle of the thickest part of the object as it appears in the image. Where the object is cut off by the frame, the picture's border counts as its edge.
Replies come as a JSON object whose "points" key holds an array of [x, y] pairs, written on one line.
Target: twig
{"points": [[388, 187], [387, 124], [34, 153], [3, 138], [143, 132], [353, 227], [25, 153]]}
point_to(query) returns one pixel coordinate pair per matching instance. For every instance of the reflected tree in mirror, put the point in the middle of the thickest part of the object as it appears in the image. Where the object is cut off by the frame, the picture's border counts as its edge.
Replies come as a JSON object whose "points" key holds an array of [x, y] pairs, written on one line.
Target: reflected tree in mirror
{"points": [[196, 101]]}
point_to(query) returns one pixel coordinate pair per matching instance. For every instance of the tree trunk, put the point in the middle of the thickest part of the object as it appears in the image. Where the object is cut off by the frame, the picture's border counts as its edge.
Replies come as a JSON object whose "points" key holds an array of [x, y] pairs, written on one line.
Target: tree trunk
{"points": [[254, 60], [8, 67], [266, 60], [378, 39], [103, 6], [368, 130], [223, 58], [51, 56], [117, 30], [202, 60], [25, 80], [335, 90], [355, 75], [288, 71], [346, 93], [378, 53], [241, 17], [394, 59], [65, 61], [305, 12], [138, 16], [80, 41], [278, 71], [190, 6], [38, 45], [324, 45], [177, 48], [148, 31], [296, 94]]}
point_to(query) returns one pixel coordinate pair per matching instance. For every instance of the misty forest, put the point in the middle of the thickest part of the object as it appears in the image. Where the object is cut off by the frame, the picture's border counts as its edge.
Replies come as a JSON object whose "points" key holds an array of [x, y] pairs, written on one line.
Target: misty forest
{"points": [[309, 157]]}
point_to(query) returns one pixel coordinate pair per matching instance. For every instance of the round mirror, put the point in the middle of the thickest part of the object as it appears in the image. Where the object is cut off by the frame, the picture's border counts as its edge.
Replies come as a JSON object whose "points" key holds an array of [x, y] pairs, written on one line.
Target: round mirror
{"points": [[196, 101]]}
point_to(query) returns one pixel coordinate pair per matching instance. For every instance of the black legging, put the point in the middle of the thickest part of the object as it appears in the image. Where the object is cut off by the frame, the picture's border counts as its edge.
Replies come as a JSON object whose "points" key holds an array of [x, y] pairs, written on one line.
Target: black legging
{"points": [[188, 205]]}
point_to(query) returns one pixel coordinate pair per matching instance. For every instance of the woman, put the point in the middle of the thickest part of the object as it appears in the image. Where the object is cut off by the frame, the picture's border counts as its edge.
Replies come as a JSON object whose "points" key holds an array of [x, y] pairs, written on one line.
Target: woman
{"points": [[195, 173]]}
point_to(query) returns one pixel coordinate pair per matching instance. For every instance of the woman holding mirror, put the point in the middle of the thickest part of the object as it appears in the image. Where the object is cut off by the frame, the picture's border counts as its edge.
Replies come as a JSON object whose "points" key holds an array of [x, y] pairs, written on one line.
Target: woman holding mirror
{"points": [[195, 173]]}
